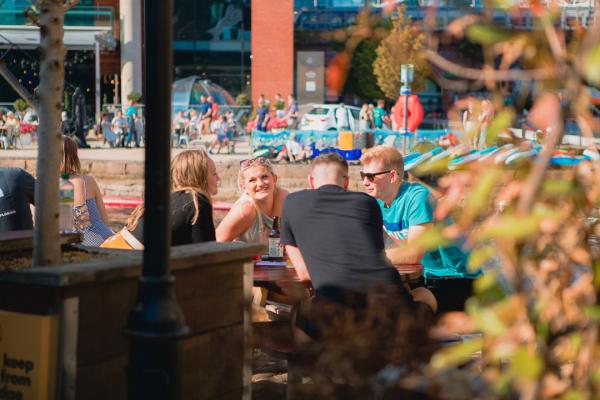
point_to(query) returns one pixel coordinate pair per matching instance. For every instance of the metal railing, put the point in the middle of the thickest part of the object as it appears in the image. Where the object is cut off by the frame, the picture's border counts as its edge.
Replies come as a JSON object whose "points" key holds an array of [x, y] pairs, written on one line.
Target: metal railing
{"points": [[319, 19], [77, 16]]}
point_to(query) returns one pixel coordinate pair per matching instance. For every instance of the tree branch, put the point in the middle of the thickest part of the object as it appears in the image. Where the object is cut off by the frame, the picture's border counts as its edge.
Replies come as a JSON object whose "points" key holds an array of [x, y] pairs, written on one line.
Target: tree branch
{"points": [[70, 4], [17, 87], [540, 165], [30, 15], [487, 75]]}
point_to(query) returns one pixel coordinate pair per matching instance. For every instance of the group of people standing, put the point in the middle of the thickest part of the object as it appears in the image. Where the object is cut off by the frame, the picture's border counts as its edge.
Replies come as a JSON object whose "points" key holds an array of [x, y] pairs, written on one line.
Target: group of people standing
{"points": [[476, 120], [285, 115], [374, 117], [10, 127], [124, 130], [207, 120]]}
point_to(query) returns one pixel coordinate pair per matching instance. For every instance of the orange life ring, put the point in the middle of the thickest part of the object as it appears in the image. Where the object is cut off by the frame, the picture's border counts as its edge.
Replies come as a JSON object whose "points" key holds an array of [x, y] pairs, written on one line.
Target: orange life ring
{"points": [[415, 112]]}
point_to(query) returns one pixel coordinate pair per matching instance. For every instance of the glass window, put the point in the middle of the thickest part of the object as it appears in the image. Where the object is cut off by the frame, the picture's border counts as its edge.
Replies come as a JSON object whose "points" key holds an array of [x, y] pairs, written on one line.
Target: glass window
{"points": [[319, 111]]}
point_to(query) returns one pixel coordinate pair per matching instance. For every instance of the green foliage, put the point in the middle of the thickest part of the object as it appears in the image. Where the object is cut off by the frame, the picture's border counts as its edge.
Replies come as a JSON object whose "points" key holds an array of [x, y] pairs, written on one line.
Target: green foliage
{"points": [[20, 105], [487, 35], [502, 121], [480, 256], [511, 226], [593, 312], [279, 105], [432, 238], [66, 101], [242, 99], [487, 319], [557, 187], [525, 364], [134, 97], [361, 78], [573, 395], [456, 355], [591, 65], [403, 45], [478, 201]]}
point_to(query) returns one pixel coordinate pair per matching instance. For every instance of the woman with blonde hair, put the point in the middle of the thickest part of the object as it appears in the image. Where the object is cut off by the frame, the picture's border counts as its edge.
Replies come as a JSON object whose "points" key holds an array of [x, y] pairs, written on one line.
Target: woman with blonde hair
{"points": [[251, 217], [89, 213], [194, 181]]}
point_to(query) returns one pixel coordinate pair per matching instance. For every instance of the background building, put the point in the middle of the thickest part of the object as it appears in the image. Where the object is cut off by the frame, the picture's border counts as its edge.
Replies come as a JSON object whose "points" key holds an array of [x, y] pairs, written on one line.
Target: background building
{"points": [[213, 40]]}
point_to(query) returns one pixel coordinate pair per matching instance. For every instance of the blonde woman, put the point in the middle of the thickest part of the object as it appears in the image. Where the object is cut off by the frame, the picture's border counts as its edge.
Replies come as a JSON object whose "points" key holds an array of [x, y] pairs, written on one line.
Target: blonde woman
{"points": [[251, 217], [89, 213], [194, 181]]}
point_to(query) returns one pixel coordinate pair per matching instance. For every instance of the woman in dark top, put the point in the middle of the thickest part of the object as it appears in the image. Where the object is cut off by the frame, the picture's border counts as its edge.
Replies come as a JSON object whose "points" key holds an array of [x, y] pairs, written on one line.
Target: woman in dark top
{"points": [[193, 181]]}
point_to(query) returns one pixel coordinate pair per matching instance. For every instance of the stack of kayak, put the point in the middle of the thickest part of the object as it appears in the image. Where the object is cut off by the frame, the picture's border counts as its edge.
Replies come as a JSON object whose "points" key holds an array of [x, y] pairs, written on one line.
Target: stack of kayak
{"points": [[458, 157]]}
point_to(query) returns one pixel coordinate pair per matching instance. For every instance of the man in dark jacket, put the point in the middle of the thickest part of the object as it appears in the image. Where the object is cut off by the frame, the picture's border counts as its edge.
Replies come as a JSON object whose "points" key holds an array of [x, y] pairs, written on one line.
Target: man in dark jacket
{"points": [[16, 196]]}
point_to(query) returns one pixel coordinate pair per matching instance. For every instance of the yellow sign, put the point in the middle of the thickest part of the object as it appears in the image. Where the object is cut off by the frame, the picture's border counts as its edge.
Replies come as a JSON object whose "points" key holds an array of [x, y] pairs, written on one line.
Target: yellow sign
{"points": [[28, 346]]}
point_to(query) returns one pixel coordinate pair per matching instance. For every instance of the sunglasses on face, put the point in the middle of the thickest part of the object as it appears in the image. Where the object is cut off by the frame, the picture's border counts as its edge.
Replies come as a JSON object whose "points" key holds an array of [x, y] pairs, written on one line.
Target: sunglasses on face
{"points": [[245, 164], [371, 175]]}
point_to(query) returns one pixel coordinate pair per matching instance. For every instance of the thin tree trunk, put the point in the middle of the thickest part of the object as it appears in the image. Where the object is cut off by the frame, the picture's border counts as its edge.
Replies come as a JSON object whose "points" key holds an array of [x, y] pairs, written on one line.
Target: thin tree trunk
{"points": [[46, 249]]}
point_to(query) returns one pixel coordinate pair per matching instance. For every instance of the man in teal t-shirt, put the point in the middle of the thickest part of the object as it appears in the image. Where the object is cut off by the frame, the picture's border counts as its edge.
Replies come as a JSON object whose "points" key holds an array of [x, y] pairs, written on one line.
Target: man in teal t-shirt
{"points": [[407, 210], [379, 114]]}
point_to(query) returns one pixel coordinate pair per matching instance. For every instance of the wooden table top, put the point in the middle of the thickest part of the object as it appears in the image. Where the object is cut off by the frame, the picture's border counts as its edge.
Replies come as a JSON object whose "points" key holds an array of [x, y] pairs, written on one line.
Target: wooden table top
{"points": [[264, 275]]}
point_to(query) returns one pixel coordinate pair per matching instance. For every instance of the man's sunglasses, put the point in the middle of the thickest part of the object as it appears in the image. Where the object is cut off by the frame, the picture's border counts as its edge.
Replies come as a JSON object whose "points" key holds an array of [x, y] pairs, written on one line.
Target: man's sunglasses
{"points": [[245, 164], [371, 175]]}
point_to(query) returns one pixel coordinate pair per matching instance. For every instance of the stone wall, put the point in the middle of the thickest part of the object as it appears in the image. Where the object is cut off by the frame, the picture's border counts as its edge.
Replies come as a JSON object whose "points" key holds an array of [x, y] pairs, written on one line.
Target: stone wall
{"points": [[126, 178]]}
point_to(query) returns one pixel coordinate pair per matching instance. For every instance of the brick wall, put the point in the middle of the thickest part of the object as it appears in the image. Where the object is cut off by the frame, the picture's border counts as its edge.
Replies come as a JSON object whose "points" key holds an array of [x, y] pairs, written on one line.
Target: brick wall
{"points": [[272, 48]]}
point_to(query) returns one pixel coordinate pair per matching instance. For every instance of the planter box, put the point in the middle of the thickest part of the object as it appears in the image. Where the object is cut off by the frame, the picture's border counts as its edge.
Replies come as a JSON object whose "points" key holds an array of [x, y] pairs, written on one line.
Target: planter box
{"points": [[85, 306]]}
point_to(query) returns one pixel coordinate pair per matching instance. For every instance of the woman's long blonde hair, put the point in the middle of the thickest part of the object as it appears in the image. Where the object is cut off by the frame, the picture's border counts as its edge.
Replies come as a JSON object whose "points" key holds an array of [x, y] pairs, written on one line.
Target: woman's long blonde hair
{"points": [[70, 160], [189, 173]]}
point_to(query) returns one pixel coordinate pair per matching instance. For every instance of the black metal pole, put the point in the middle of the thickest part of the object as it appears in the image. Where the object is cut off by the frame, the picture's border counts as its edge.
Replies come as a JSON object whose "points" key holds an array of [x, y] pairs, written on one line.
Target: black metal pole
{"points": [[156, 323]]}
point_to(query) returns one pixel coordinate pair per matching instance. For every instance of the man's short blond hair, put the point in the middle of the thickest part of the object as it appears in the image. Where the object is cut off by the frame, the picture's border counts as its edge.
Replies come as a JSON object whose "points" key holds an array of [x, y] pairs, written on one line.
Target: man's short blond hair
{"points": [[388, 155], [331, 158]]}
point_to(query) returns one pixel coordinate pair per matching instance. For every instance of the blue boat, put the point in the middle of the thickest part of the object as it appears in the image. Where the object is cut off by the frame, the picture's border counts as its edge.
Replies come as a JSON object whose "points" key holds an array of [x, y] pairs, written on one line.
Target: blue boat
{"points": [[422, 158], [474, 156], [566, 160], [520, 156], [494, 151]]}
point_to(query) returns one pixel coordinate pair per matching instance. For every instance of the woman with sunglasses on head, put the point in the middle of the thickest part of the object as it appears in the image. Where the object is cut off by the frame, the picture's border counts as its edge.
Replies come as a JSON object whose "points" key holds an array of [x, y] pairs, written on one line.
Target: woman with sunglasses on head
{"points": [[251, 217]]}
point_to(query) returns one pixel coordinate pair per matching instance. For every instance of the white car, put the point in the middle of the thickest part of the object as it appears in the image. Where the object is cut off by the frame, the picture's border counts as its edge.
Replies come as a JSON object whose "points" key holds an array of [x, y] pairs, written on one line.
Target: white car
{"points": [[322, 117]]}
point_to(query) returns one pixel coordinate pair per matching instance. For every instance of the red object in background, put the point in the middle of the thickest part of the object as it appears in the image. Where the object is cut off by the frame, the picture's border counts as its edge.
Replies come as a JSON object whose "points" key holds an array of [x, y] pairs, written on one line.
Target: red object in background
{"points": [[250, 126], [337, 71], [27, 127], [132, 202], [415, 112], [277, 123]]}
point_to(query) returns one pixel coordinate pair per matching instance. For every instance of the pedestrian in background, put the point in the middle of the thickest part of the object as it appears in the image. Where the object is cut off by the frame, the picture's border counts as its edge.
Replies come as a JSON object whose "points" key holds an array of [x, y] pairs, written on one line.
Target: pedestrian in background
{"points": [[262, 115], [370, 115], [106, 127], [292, 112]]}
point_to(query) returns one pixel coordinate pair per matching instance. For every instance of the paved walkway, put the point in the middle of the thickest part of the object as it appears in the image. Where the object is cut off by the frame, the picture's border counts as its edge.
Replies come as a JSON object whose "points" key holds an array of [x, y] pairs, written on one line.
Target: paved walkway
{"points": [[101, 152]]}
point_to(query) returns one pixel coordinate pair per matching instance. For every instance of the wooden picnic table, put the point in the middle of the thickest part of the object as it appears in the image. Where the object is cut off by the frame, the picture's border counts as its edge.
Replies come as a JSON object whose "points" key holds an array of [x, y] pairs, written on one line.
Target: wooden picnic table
{"points": [[272, 275]]}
